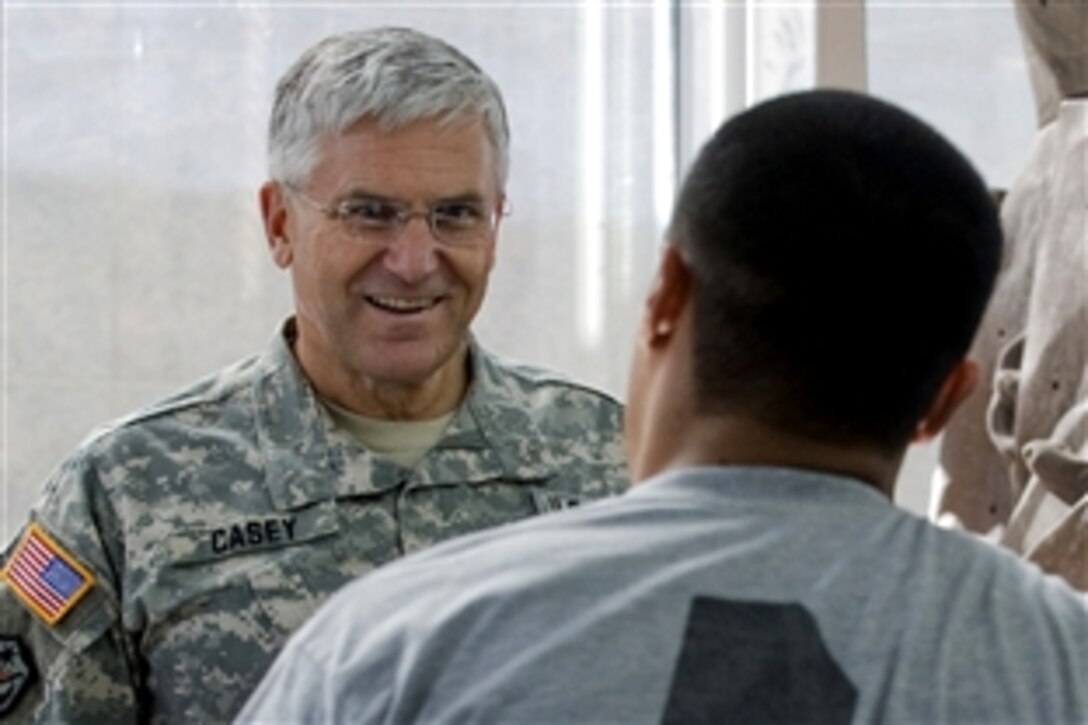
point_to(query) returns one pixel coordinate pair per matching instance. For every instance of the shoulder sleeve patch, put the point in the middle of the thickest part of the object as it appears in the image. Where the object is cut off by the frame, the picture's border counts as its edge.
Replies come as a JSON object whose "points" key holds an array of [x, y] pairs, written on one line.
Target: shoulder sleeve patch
{"points": [[45, 577], [16, 673]]}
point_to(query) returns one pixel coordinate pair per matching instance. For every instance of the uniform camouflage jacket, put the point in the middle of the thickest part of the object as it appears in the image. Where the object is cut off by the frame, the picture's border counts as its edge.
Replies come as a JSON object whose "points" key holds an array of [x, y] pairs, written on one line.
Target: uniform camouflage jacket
{"points": [[192, 538]]}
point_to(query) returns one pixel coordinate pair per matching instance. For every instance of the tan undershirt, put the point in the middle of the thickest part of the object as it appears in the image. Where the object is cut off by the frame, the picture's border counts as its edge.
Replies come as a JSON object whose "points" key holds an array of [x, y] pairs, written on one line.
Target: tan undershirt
{"points": [[403, 442]]}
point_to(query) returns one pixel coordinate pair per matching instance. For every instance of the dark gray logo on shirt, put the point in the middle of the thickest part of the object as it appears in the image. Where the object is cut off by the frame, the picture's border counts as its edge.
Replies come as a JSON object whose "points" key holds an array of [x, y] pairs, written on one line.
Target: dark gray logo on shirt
{"points": [[754, 662]]}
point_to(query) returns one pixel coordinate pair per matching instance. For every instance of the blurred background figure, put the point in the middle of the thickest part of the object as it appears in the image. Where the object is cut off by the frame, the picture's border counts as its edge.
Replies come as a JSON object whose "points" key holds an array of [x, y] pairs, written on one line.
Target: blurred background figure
{"points": [[1014, 463]]}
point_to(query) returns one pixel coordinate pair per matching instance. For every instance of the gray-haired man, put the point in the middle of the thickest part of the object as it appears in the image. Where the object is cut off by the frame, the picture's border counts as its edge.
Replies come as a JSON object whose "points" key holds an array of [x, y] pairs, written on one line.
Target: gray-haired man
{"points": [[171, 555]]}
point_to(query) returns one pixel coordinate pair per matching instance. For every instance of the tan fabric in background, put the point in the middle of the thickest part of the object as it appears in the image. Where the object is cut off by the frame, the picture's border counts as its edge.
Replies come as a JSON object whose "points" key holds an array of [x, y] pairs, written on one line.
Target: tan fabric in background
{"points": [[1014, 462]]}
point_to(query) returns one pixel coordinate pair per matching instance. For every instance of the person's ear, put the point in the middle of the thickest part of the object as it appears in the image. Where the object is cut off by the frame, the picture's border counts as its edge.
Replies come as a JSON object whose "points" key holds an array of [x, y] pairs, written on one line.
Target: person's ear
{"points": [[274, 212], [500, 211], [957, 386], [667, 299]]}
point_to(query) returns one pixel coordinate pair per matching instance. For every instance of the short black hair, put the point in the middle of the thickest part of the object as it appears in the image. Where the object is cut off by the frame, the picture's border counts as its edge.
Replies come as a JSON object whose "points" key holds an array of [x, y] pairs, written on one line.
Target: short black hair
{"points": [[843, 253]]}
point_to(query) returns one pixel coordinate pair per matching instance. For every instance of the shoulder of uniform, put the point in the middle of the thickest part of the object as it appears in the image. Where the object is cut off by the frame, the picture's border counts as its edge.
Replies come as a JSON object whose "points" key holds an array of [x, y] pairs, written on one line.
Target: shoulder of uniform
{"points": [[206, 394], [532, 381]]}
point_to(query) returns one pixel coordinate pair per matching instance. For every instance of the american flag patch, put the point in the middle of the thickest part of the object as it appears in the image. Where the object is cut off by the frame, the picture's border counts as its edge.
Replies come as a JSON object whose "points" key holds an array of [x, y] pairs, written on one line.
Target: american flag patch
{"points": [[45, 577]]}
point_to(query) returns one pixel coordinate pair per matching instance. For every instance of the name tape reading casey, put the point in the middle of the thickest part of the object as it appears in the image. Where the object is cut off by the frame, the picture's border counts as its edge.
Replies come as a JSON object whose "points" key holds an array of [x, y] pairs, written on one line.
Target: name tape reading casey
{"points": [[253, 534]]}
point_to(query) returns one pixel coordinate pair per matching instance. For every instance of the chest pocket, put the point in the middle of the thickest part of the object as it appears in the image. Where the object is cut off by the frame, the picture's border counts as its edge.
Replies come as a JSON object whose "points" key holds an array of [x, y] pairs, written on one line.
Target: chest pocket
{"points": [[251, 579], [221, 599], [430, 514]]}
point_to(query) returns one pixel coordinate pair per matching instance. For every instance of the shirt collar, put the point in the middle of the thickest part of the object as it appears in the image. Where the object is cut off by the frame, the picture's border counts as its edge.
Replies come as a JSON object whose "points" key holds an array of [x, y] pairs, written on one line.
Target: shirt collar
{"points": [[493, 435], [728, 485]]}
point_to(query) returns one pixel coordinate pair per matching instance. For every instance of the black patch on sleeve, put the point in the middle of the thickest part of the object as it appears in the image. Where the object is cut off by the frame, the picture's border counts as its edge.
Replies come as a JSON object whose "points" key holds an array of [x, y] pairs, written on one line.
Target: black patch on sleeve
{"points": [[756, 662], [17, 672]]}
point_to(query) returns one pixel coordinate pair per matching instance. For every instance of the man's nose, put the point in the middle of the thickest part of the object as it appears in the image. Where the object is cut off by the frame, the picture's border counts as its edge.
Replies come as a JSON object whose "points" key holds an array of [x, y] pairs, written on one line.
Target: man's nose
{"points": [[412, 254]]}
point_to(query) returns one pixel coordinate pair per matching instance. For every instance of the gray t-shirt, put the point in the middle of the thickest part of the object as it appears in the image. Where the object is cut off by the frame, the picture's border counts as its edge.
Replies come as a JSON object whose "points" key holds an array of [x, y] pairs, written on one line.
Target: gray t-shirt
{"points": [[715, 594]]}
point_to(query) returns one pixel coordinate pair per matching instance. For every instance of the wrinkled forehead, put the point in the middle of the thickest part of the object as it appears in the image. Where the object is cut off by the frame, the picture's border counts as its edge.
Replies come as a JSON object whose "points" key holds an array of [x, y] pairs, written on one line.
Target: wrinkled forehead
{"points": [[1056, 32]]}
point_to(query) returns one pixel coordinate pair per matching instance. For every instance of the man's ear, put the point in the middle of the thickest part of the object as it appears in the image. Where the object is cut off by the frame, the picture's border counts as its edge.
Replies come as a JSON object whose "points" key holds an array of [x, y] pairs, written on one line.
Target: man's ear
{"points": [[957, 386], [274, 212], [670, 294], [501, 210]]}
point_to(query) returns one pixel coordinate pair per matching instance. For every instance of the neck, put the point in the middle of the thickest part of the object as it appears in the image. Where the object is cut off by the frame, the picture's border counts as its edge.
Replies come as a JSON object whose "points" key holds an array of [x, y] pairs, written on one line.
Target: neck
{"points": [[434, 397], [437, 395], [738, 441]]}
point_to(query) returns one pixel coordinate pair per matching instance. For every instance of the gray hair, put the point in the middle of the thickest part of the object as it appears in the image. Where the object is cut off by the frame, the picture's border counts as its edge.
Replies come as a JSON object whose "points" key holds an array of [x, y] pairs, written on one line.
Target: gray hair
{"points": [[394, 75]]}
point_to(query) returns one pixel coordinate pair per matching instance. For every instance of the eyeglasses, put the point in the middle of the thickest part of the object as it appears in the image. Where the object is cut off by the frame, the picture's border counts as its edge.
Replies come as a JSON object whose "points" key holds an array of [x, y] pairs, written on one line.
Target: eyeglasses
{"points": [[456, 223]]}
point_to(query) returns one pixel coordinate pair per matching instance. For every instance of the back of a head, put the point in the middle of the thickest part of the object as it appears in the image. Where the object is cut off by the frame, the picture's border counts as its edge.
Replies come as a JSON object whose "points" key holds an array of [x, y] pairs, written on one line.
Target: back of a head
{"points": [[843, 254], [395, 76]]}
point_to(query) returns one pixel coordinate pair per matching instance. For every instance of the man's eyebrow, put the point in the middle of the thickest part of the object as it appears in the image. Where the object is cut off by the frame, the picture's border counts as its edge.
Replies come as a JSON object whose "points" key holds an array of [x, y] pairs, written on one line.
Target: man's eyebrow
{"points": [[469, 196], [359, 193]]}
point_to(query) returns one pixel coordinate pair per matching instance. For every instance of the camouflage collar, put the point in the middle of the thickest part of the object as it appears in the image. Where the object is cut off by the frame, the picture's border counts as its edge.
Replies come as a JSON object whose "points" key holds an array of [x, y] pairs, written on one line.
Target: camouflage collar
{"points": [[291, 430], [493, 436], [497, 416]]}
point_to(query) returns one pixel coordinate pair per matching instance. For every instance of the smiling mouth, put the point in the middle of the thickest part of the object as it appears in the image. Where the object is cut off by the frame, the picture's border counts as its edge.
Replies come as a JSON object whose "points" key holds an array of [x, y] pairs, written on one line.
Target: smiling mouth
{"points": [[403, 305]]}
